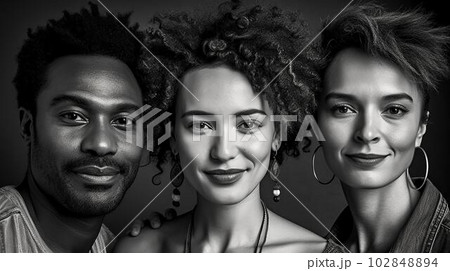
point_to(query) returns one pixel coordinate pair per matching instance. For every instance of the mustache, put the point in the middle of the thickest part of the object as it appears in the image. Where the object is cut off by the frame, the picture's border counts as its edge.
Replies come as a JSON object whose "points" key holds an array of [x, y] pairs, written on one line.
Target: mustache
{"points": [[122, 166]]}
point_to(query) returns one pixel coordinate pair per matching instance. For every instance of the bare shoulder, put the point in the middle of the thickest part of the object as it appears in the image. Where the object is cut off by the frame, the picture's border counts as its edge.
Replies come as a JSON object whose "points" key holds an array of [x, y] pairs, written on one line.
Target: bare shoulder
{"points": [[286, 236], [168, 238], [149, 240]]}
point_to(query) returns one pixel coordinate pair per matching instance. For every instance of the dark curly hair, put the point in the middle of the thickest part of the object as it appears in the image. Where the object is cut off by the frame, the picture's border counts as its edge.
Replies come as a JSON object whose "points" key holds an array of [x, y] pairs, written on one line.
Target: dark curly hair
{"points": [[83, 33], [261, 43], [410, 39]]}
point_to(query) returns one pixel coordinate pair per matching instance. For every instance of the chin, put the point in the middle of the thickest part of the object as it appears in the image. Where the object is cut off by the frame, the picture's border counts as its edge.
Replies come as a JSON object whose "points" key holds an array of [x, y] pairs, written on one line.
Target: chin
{"points": [[365, 180], [221, 199], [94, 204]]}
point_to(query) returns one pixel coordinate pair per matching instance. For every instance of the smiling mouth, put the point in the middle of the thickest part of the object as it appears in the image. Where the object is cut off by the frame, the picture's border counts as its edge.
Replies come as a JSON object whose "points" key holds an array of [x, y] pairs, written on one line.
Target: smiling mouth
{"points": [[98, 176], [366, 160], [225, 177]]}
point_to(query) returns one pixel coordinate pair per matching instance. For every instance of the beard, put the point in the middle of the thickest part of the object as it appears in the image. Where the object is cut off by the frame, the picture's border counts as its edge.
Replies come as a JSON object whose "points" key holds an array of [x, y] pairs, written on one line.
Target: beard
{"points": [[59, 183]]}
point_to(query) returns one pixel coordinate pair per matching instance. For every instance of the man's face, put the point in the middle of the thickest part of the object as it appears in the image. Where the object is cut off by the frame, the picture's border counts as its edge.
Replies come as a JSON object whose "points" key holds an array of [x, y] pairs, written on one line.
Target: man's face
{"points": [[79, 156]]}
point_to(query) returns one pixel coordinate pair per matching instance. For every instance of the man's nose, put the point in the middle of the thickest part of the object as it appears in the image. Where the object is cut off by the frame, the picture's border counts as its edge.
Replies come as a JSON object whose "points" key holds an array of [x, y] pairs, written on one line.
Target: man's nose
{"points": [[100, 140]]}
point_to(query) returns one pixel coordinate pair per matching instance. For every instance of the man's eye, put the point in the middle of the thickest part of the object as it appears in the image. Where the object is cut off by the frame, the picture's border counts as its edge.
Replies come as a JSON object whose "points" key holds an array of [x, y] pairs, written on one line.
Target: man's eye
{"points": [[122, 123], [73, 117]]}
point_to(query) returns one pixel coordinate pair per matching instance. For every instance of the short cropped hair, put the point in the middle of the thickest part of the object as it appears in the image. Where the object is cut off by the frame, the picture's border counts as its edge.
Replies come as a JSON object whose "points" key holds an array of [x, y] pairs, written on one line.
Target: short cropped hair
{"points": [[410, 39], [83, 33], [258, 42]]}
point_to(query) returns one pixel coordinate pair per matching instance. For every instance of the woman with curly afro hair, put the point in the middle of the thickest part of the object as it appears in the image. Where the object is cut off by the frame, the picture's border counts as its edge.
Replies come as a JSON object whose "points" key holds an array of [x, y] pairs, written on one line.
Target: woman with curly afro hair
{"points": [[229, 73]]}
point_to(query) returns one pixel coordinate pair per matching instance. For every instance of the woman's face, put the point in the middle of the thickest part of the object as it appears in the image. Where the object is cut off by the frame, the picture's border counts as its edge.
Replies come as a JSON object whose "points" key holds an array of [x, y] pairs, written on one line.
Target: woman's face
{"points": [[227, 136], [370, 114]]}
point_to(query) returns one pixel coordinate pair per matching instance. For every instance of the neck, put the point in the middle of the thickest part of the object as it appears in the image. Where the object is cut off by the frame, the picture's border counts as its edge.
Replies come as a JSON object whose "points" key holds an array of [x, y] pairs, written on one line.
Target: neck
{"points": [[222, 228], [61, 230], [380, 214]]}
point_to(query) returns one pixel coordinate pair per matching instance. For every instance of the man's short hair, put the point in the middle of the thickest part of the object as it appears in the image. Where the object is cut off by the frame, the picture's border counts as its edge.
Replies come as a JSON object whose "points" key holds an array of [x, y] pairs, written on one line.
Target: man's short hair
{"points": [[84, 33]]}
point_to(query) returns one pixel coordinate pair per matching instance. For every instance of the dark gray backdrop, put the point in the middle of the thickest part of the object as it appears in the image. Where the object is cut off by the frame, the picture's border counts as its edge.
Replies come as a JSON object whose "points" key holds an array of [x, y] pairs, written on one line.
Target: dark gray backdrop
{"points": [[324, 202]]}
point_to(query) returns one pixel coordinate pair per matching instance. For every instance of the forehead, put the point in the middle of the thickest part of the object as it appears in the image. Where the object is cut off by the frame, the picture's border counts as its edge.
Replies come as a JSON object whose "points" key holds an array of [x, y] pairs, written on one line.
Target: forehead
{"points": [[219, 90], [353, 71], [98, 78]]}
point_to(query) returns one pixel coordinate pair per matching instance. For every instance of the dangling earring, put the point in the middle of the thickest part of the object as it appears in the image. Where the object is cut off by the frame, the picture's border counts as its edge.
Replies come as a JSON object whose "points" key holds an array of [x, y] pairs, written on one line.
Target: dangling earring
{"points": [[274, 172], [413, 186], [314, 168], [177, 177]]}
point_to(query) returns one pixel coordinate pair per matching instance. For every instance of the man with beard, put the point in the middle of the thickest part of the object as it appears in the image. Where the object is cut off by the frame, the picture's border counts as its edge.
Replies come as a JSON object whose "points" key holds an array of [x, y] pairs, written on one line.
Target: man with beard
{"points": [[76, 85]]}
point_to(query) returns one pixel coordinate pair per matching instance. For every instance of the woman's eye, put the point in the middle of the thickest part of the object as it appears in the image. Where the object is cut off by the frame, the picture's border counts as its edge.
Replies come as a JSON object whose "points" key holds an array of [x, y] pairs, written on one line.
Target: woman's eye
{"points": [[342, 110], [249, 126], [201, 126], [396, 111], [73, 117]]}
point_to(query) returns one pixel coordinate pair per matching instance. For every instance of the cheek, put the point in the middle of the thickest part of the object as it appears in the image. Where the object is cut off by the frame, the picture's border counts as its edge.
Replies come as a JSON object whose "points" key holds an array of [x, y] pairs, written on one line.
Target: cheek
{"points": [[258, 149], [403, 139], [337, 134], [130, 152], [55, 140], [186, 146]]}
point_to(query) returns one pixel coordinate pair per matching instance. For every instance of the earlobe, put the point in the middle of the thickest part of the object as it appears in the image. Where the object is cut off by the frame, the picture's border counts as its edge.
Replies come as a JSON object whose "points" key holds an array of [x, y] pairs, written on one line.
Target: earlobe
{"points": [[420, 133], [26, 124], [276, 142], [173, 146]]}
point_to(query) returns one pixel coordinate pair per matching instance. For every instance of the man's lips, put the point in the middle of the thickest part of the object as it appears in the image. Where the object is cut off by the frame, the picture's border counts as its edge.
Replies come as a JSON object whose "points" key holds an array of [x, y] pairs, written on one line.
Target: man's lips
{"points": [[97, 171], [95, 175]]}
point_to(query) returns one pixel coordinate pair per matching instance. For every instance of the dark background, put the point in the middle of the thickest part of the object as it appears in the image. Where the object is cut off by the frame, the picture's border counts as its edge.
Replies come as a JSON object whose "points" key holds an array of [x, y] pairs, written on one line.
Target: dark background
{"points": [[324, 202]]}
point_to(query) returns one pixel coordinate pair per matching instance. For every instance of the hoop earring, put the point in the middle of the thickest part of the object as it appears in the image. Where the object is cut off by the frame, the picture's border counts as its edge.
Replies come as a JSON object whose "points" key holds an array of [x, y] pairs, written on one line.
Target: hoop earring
{"points": [[177, 177], [274, 172], [314, 168], [413, 186]]}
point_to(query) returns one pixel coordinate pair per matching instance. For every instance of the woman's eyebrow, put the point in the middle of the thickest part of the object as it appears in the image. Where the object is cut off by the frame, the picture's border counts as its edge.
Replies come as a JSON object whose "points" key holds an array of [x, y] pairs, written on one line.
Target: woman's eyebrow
{"points": [[250, 112], [239, 113], [349, 97], [336, 95], [196, 113], [400, 96]]}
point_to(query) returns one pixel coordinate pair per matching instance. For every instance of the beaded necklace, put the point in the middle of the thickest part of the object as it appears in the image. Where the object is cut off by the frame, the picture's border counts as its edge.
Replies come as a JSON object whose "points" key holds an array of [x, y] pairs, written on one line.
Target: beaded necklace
{"points": [[259, 243]]}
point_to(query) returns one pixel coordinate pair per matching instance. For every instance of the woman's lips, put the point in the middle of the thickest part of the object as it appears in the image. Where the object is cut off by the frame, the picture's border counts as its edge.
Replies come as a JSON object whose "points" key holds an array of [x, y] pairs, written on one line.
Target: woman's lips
{"points": [[224, 176], [366, 160]]}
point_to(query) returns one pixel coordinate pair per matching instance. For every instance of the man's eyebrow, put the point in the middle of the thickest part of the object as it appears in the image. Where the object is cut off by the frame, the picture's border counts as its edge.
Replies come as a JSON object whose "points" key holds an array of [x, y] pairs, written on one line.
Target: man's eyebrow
{"points": [[69, 99], [84, 102], [239, 113]]}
